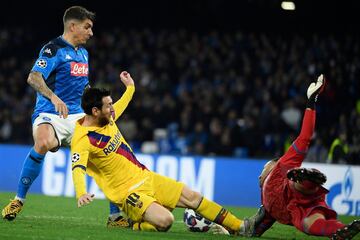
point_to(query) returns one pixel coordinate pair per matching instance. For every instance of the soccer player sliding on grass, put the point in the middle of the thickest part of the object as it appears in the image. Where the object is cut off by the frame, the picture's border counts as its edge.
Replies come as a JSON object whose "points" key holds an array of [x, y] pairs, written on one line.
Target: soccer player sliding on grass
{"points": [[293, 195], [100, 150]]}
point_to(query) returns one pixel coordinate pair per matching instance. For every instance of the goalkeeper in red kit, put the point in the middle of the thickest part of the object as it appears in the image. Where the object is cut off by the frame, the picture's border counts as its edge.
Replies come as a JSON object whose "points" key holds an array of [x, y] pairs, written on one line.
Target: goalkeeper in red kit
{"points": [[295, 196]]}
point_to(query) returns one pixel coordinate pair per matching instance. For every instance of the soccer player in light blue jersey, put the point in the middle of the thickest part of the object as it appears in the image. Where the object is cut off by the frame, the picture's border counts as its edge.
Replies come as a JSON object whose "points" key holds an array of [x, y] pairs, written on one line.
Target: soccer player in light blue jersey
{"points": [[59, 76]]}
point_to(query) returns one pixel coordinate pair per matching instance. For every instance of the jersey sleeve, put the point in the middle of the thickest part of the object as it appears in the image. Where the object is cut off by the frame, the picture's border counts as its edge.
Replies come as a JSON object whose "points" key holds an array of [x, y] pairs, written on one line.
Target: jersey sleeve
{"points": [[79, 157], [296, 154], [293, 157], [47, 60], [123, 102]]}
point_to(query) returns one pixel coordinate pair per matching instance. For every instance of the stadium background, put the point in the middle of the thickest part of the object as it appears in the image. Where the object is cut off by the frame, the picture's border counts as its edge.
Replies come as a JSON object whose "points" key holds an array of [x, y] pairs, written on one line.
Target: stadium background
{"points": [[218, 80]]}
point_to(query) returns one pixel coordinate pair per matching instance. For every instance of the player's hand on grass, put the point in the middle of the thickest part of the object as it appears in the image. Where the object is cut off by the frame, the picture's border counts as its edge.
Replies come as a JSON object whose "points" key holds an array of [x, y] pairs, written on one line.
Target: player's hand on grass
{"points": [[60, 106], [85, 199], [126, 78]]}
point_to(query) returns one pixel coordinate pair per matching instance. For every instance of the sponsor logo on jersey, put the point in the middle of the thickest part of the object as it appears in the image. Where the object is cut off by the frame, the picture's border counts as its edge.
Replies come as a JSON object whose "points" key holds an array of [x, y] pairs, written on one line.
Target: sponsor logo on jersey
{"points": [[114, 144], [99, 142], [79, 69], [41, 63]]}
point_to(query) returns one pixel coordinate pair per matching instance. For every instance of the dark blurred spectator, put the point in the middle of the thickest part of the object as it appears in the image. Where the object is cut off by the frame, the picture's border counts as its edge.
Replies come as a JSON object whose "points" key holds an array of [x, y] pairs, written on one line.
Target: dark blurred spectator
{"points": [[339, 150], [291, 115], [317, 152], [5, 126], [128, 127]]}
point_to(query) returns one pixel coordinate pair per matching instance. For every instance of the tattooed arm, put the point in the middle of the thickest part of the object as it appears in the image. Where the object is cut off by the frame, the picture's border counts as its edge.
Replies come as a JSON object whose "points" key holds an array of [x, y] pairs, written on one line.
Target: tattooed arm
{"points": [[36, 81]]}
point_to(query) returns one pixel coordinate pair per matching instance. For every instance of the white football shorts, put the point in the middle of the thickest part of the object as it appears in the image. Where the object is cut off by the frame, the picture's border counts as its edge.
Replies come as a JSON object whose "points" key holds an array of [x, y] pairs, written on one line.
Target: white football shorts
{"points": [[64, 128]]}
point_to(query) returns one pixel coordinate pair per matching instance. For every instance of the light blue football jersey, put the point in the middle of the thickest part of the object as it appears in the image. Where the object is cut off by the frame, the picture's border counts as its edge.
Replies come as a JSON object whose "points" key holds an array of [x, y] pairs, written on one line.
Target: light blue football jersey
{"points": [[65, 71]]}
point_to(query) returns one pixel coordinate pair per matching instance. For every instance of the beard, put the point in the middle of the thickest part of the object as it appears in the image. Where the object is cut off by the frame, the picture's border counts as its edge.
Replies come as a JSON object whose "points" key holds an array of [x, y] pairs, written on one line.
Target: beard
{"points": [[103, 121]]}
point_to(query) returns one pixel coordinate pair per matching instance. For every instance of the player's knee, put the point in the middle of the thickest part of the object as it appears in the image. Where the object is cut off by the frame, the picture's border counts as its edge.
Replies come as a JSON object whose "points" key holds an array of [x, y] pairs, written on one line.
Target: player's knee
{"points": [[43, 144], [45, 138], [189, 198], [44, 141], [194, 199], [165, 221]]}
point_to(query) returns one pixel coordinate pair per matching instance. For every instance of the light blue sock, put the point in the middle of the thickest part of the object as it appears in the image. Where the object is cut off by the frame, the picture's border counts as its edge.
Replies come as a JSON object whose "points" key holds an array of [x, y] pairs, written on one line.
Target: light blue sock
{"points": [[114, 211], [31, 169]]}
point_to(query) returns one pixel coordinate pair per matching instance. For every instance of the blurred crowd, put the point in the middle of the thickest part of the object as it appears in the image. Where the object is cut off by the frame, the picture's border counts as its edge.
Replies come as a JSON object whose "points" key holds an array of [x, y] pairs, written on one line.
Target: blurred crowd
{"points": [[214, 93]]}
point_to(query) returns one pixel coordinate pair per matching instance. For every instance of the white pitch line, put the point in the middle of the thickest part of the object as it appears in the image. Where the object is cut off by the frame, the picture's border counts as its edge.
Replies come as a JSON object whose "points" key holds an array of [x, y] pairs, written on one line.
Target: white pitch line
{"points": [[12, 236], [54, 217], [68, 218]]}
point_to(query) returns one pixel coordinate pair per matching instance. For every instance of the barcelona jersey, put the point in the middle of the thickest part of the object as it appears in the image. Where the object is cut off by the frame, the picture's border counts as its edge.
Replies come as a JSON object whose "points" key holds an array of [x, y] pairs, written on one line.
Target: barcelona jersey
{"points": [[103, 154], [65, 71]]}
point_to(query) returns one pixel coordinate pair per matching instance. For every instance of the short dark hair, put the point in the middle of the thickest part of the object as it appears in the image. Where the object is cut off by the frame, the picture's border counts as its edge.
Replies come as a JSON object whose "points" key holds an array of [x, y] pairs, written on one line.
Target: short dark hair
{"points": [[92, 97], [78, 13]]}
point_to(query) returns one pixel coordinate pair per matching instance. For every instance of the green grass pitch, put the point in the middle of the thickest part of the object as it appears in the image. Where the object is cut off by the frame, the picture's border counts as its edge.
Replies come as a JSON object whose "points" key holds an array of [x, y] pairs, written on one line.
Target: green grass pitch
{"points": [[51, 218]]}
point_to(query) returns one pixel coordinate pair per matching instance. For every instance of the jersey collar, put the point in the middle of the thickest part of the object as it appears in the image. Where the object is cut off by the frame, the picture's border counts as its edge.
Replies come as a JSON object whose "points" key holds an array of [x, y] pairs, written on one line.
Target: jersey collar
{"points": [[69, 44]]}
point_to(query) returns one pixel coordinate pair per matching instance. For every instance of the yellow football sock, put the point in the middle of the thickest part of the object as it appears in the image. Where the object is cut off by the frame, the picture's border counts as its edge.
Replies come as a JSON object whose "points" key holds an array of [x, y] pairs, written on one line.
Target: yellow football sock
{"points": [[144, 226], [216, 213]]}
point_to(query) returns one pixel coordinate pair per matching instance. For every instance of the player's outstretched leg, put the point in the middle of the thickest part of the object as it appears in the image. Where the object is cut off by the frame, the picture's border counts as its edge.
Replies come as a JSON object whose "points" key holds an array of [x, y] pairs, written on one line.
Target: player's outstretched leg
{"points": [[211, 211], [347, 232], [311, 174], [219, 215]]}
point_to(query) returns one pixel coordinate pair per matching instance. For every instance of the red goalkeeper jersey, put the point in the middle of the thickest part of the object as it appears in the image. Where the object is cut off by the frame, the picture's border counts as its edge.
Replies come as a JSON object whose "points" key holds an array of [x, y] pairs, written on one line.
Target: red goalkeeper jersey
{"points": [[278, 195]]}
